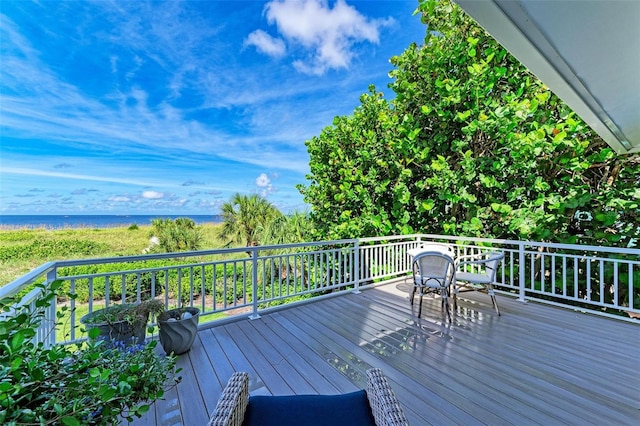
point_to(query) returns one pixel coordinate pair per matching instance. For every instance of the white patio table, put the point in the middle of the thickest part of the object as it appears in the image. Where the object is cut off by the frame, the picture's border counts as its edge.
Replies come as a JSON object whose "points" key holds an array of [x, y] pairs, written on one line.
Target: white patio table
{"points": [[440, 248]]}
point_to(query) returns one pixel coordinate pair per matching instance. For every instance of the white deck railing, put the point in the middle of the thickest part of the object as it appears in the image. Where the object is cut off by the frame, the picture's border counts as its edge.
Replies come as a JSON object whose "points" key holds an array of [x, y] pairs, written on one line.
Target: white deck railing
{"points": [[254, 280]]}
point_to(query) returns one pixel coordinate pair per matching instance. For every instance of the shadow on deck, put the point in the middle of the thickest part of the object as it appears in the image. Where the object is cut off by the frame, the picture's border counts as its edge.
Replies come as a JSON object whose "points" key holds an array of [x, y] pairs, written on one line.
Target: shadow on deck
{"points": [[535, 364]]}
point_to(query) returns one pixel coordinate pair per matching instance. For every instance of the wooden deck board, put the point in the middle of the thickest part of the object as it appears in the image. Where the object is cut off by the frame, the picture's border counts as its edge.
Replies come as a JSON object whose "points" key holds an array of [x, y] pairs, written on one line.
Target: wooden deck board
{"points": [[444, 388], [313, 352], [477, 369], [535, 364], [190, 395], [297, 359]]}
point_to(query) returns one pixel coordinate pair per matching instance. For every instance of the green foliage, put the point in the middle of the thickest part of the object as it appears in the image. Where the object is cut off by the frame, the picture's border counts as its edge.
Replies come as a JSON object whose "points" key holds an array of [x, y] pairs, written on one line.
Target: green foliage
{"points": [[244, 219], [133, 227], [137, 313], [177, 235], [285, 229], [175, 281], [472, 144], [99, 283], [43, 247], [355, 189], [99, 382], [118, 241]]}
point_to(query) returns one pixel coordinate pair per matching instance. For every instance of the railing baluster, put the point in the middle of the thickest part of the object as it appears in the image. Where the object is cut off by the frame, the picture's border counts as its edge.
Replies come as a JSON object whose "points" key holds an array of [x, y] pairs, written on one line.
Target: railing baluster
{"points": [[107, 293], [602, 283], [123, 282], [191, 283], [631, 288], [224, 285], [588, 287], [203, 289], [521, 272], [72, 289], [254, 262], [615, 284], [543, 273], [564, 273], [356, 266], [166, 287]]}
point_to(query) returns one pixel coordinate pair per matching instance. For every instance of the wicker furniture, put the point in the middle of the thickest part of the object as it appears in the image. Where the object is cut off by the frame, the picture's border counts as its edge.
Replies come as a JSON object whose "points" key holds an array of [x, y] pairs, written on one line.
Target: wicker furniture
{"points": [[233, 403]]}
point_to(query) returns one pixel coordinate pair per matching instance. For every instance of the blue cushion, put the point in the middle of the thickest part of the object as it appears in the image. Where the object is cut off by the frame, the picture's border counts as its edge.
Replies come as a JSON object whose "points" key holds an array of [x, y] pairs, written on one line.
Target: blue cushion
{"points": [[351, 409]]}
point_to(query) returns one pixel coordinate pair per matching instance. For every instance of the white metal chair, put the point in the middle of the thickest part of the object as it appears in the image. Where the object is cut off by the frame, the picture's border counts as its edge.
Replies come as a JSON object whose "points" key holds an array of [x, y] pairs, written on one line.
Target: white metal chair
{"points": [[483, 275], [433, 272]]}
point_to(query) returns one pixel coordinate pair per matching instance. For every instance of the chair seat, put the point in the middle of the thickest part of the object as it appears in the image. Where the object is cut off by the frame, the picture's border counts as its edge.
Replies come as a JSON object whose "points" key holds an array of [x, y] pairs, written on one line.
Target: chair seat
{"points": [[488, 263], [310, 410], [473, 278], [377, 405], [422, 282]]}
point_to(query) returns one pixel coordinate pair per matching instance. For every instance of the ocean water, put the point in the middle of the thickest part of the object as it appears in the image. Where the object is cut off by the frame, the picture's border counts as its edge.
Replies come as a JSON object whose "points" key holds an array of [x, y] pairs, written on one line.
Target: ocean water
{"points": [[91, 221]]}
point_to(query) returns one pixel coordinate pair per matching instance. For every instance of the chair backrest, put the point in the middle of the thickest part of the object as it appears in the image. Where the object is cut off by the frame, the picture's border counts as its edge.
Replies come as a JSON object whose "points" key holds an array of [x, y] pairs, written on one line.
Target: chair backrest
{"points": [[491, 262], [433, 265]]}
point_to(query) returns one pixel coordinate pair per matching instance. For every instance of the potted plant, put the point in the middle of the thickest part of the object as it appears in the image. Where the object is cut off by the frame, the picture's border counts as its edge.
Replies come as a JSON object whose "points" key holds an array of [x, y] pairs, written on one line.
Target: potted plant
{"points": [[98, 382], [178, 329], [124, 322]]}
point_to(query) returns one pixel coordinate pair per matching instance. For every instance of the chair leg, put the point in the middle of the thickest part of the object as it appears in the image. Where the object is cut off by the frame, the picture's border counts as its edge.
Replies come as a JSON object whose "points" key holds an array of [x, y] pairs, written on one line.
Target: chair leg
{"points": [[420, 307], [455, 297], [445, 303], [493, 298]]}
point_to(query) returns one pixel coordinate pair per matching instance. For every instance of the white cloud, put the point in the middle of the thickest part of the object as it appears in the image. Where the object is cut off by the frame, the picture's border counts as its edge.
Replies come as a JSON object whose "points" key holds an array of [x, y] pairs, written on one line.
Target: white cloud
{"points": [[120, 199], [152, 195], [263, 180], [49, 174], [266, 44], [264, 184], [329, 33]]}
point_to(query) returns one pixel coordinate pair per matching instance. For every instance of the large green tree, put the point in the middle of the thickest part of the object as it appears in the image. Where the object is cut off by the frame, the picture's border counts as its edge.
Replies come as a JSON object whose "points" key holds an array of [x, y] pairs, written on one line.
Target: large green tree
{"points": [[473, 144]]}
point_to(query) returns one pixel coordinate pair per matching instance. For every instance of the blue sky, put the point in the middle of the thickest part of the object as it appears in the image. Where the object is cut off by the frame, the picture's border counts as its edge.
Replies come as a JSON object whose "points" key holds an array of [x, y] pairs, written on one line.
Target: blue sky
{"points": [[132, 107]]}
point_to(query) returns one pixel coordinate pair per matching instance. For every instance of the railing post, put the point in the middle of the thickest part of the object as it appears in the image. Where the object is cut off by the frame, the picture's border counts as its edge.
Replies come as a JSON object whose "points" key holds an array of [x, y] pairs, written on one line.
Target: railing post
{"points": [[356, 265], [522, 271], [254, 278]]}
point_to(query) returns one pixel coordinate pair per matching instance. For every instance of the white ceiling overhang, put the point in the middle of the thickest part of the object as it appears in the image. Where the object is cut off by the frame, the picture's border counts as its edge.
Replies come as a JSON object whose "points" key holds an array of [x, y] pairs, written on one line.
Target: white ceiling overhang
{"points": [[587, 52]]}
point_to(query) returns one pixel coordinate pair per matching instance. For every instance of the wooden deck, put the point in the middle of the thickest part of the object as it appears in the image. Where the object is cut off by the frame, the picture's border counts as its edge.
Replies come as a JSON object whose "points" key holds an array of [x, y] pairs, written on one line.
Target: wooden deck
{"points": [[535, 364]]}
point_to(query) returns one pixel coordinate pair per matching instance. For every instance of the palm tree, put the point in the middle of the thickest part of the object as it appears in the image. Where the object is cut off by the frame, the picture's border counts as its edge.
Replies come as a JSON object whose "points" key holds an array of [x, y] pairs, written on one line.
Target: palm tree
{"points": [[245, 217], [293, 228]]}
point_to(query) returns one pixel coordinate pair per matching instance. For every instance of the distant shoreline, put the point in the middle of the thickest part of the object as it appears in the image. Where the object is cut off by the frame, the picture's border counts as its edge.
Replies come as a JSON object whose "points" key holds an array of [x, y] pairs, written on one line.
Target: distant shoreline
{"points": [[17, 222]]}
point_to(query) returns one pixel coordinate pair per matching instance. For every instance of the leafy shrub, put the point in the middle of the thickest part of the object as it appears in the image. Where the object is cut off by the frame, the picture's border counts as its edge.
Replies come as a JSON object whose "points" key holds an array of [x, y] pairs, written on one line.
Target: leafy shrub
{"points": [[133, 227], [132, 313], [174, 236], [169, 280], [99, 382], [225, 277], [147, 280]]}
